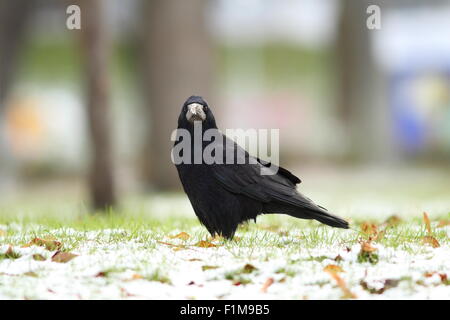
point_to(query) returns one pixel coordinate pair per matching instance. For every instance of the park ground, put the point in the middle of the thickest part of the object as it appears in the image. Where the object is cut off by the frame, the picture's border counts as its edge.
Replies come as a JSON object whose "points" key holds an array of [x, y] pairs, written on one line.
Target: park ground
{"points": [[154, 248]]}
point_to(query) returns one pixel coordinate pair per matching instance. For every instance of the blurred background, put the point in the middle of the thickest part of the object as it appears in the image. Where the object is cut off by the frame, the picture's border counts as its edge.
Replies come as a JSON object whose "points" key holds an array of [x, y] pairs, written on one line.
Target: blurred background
{"points": [[364, 115]]}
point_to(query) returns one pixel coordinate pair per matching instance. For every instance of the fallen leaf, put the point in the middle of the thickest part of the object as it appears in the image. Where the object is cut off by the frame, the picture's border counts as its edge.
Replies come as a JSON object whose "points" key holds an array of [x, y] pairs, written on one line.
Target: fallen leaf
{"points": [[49, 243], [30, 274], [38, 257], [367, 247], [248, 268], [63, 257], [367, 253], [195, 259], [443, 223], [204, 268], [181, 235], [101, 274], [136, 276], [341, 284], [205, 244], [267, 284], [369, 228], [2, 233], [431, 241], [427, 222], [333, 268], [443, 276], [338, 258], [393, 221]]}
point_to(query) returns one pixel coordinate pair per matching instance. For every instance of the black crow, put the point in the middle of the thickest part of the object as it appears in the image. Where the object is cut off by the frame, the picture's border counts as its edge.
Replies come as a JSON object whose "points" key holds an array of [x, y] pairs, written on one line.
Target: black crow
{"points": [[225, 195]]}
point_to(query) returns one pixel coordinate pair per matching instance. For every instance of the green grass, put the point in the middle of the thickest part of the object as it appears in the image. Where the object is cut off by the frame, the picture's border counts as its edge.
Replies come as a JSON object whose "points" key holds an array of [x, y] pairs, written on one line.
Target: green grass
{"points": [[126, 247], [270, 231]]}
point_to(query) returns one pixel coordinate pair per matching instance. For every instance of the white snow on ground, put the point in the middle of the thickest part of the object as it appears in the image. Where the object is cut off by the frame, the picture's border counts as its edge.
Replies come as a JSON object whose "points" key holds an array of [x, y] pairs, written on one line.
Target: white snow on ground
{"points": [[137, 268], [120, 264]]}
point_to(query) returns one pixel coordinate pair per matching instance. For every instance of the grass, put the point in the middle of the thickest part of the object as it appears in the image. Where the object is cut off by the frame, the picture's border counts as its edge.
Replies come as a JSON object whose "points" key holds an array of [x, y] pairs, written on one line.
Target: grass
{"points": [[128, 254]]}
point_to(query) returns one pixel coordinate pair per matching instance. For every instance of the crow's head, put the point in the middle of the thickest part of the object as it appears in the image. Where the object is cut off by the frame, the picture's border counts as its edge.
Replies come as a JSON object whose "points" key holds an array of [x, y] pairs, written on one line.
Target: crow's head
{"points": [[196, 109]]}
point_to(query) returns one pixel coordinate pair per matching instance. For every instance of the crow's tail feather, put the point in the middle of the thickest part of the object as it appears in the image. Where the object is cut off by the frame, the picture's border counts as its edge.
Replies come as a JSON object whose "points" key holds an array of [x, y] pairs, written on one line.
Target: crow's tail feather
{"points": [[307, 211], [328, 219]]}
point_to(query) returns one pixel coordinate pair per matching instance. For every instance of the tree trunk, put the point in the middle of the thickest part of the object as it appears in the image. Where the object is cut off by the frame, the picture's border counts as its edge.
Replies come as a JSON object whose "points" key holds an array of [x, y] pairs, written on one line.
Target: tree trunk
{"points": [[96, 52], [14, 18], [176, 64], [362, 104]]}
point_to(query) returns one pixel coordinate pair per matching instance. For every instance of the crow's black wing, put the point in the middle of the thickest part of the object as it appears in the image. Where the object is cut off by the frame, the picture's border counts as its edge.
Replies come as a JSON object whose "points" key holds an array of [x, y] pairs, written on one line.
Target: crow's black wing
{"points": [[281, 171], [276, 190], [247, 179]]}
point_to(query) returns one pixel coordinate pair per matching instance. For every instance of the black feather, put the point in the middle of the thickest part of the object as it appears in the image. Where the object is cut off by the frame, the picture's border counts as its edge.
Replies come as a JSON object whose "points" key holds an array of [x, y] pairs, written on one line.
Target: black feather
{"points": [[225, 195]]}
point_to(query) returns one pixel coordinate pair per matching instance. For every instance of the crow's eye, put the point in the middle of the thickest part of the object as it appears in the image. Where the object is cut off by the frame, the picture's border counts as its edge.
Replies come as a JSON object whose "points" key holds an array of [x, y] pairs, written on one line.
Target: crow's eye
{"points": [[205, 108]]}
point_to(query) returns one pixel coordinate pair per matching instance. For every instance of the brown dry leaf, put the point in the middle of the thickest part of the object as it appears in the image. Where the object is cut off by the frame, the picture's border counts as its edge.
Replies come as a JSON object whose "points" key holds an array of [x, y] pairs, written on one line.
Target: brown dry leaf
{"points": [[431, 241], [205, 244], [136, 277], [63, 257], [369, 228], [427, 222], [367, 247], [195, 259], [341, 284], [267, 284], [249, 268], [332, 268], [38, 257], [443, 276], [338, 258], [49, 243], [443, 223], [393, 221], [182, 235]]}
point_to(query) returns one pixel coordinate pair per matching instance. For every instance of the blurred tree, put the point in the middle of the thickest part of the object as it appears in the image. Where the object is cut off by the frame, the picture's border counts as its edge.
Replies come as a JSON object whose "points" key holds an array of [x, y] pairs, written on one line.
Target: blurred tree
{"points": [[361, 104], [96, 51], [177, 63], [14, 17]]}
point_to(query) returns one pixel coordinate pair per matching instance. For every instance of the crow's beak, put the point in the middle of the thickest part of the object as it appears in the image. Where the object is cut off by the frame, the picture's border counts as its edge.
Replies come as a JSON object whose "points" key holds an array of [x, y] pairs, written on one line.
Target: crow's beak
{"points": [[195, 113]]}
